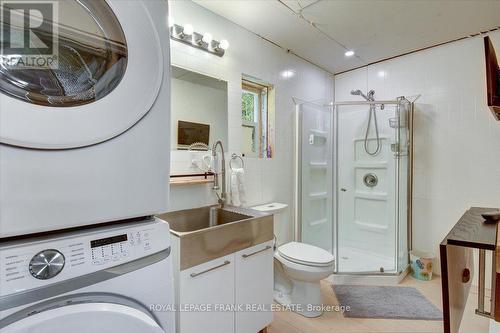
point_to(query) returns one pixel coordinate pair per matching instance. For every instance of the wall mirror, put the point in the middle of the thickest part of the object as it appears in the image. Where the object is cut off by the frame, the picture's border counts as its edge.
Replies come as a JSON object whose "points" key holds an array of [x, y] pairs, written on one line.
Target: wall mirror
{"points": [[198, 110]]}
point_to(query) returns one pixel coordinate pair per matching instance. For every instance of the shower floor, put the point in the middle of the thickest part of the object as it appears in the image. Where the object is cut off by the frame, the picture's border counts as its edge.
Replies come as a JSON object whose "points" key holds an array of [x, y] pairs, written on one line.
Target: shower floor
{"points": [[352, 260]]}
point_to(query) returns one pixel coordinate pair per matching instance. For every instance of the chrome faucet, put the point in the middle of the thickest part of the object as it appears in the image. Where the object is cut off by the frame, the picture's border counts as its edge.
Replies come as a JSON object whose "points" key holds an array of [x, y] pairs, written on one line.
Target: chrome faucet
{"points": [[222, 195]]}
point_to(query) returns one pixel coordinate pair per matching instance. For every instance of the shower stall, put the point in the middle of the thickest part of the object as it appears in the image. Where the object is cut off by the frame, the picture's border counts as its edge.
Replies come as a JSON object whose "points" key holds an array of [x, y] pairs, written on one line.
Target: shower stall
{"points": [[353, 189]]}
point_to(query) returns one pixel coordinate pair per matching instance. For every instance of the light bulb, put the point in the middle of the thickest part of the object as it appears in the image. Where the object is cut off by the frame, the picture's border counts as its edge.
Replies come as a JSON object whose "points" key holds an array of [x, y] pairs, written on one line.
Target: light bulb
{"points": [[224, 44], [207, 38], [349, 53], [170, 21], [188, 29]]}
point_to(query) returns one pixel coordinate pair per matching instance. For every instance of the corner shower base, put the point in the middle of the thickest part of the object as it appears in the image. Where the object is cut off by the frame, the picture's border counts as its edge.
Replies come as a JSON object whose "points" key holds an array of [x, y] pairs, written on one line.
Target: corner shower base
{"points": [[362, 268], [357, 260], [375, 279]]}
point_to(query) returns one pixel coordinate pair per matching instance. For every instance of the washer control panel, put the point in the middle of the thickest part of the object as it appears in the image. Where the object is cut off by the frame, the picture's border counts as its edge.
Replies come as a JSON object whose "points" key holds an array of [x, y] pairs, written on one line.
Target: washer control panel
{"points": [[29, 264], [109, 249], [46, 264]]}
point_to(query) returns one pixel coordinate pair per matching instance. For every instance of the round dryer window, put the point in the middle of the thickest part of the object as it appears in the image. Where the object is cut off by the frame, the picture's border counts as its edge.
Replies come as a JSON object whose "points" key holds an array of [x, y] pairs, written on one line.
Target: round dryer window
{"points": [[111, 58], [74, 53]]}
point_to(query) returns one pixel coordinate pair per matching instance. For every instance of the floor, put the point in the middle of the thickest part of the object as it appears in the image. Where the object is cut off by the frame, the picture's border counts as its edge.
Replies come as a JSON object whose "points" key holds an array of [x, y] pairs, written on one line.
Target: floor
{"points": [[335, 322], [356, 260]]}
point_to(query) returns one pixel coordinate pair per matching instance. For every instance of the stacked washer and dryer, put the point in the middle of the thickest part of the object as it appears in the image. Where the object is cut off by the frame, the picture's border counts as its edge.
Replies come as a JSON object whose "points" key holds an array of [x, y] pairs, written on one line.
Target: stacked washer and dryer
{"points": [[84, 166]]}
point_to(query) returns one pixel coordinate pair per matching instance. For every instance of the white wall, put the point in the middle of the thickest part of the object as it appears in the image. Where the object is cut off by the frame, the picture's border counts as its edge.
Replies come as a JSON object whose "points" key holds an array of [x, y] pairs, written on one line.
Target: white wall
{"points": [[457, 140], [200, 104], [267, 179]]}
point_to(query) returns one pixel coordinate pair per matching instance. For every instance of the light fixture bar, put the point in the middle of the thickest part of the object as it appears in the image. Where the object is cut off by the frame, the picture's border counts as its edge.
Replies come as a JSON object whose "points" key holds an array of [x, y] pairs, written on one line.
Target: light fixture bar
{"points": [[196, 40]]}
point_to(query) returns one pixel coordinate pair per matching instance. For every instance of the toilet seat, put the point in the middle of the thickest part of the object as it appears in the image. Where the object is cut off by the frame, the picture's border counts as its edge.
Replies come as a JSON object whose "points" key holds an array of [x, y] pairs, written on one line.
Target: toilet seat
{"points": [[305, 254]]}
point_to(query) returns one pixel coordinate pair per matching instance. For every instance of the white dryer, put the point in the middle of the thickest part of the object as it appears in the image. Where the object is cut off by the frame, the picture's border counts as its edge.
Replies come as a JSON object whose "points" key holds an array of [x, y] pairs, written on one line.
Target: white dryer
{"points": [[107, 279], [87, 141]]}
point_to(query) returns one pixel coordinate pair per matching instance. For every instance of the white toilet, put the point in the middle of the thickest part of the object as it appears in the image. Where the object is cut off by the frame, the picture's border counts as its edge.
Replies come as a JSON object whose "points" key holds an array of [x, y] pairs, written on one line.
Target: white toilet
{"points": [[298, 270]]}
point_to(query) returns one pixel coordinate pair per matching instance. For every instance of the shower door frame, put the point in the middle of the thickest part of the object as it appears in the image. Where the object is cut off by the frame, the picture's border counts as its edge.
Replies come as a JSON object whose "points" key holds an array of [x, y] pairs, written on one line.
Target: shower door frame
{"points": [[335, 219], [298, 122], [334, 137]]}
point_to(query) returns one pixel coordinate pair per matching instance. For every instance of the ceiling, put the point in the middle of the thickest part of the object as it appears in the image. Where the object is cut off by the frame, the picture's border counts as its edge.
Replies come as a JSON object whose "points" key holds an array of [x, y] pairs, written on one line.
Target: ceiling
{"points": [[321, 31]]}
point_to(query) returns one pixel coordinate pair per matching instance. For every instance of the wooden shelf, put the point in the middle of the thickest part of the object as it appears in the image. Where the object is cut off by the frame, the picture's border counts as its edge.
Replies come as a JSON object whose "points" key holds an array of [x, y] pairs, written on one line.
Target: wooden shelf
{"points": [[191, 179]]}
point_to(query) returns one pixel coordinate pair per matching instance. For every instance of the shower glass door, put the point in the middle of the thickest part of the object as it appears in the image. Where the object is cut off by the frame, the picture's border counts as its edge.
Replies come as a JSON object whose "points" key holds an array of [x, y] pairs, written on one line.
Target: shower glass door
{"points": [[314, 173], [367, 189]]}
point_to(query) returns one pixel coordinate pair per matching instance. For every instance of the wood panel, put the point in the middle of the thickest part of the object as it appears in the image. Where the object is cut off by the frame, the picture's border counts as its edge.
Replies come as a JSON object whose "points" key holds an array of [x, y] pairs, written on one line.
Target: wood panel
{"points": [[456, 252], [459, 261], [471, 231], [496, 283], [492, 78]]}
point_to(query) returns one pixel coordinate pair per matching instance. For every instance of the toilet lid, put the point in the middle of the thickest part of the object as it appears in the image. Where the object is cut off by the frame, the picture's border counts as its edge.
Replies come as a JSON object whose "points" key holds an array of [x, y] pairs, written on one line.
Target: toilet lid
{"points": [[305, 254]]}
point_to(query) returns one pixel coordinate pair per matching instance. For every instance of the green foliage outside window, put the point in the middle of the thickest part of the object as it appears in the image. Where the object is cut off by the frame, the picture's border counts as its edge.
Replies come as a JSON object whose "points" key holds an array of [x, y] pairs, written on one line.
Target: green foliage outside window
{"points": [[247, 106]]}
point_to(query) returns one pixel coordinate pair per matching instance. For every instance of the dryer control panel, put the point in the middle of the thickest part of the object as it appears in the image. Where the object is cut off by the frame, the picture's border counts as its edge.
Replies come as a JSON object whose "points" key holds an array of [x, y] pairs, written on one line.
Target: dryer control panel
{"points": [[32, 263]]}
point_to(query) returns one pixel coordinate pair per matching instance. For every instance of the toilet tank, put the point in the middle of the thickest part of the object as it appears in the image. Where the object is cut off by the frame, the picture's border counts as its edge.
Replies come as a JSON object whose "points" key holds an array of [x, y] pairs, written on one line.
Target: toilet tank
{"points": [[277, 209]]}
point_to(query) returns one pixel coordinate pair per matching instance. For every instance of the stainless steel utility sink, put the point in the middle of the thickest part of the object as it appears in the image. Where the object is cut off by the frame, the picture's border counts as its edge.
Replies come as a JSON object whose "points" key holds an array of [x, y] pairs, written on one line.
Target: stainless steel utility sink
{"points": [[186, 221], [205, 233]]}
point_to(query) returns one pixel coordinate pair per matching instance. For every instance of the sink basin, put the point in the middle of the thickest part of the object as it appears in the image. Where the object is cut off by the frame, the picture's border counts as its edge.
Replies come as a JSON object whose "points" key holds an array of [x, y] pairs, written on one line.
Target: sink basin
{"points": [[185, 221], [205, 233]]}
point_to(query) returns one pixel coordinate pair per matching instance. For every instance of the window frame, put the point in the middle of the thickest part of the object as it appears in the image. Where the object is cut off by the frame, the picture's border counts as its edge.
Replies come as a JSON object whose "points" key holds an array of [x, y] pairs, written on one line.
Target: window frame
{"points": [[261, 135]]}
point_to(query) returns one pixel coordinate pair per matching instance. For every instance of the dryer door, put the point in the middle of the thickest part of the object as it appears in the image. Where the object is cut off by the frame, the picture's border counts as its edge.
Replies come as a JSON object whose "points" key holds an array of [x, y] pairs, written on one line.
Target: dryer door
{"points": [[84, 318], [84, 72]]}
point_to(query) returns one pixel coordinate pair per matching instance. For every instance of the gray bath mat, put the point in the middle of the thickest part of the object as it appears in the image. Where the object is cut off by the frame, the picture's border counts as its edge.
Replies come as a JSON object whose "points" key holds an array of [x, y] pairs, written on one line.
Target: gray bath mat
{"points": [[386, 302]]}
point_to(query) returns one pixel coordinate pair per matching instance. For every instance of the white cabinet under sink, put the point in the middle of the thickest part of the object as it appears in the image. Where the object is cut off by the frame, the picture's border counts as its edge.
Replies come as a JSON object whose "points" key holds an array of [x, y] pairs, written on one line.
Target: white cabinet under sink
{"points": [[254, 282], [208, 284], [210, 295]]}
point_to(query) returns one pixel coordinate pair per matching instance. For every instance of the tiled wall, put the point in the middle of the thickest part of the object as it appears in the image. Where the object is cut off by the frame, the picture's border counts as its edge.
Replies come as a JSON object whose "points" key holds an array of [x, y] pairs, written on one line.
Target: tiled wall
{"points": [[267, 179], [457, 140]]}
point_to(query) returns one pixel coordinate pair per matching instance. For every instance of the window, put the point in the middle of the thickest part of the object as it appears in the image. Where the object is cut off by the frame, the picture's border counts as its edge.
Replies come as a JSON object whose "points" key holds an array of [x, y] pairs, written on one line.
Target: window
{"points": [[257, 119]]}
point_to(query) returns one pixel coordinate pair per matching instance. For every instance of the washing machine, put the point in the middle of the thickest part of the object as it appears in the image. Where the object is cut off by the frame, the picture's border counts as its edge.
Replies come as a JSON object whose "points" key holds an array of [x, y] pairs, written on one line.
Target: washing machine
{"points": [[105, 279], [84, 140]]}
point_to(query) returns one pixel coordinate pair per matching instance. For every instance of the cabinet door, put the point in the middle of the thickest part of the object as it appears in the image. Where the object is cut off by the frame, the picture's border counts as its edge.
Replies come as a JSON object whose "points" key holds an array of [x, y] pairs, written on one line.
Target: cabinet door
{"points": [[209, 284], [254, 287]]}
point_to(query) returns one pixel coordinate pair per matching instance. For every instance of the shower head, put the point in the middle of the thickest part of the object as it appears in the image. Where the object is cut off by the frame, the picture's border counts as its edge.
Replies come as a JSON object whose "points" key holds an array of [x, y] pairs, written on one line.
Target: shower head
{"points": [[360, 93], [371, 95]]}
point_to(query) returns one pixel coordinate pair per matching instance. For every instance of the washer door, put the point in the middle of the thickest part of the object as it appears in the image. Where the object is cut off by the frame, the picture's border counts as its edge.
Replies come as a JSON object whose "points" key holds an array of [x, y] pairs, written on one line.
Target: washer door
{"points": [[84, 318], [106, 77]]}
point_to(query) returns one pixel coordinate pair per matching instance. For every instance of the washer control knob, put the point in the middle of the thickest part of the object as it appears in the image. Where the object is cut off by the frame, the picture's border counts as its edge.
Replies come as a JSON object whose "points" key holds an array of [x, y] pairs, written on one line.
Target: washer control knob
{"points": [[46, 264]]}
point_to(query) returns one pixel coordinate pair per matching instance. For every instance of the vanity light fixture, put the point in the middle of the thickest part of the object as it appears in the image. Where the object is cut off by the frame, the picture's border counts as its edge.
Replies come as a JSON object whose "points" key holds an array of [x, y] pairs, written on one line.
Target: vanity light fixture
{"points": [[187, 35], [207, 38], [188, 30], [224, 45]]}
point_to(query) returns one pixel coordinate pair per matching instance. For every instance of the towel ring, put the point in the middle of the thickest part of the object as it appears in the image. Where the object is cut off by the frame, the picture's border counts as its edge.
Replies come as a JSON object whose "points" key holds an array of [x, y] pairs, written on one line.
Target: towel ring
{"points": [[234, 157]]}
